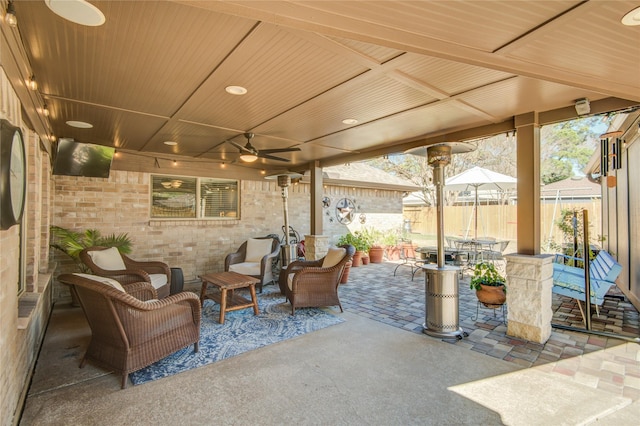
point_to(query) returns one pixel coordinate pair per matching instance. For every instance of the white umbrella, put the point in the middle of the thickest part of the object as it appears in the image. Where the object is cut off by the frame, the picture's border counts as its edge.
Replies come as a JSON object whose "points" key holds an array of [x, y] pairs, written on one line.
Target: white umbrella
{"points": [[475, 178]]}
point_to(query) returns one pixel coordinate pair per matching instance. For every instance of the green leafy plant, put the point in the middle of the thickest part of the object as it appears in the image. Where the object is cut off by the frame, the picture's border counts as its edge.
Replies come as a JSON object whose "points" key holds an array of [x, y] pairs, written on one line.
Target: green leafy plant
{"points": [[72, 243], [357, 240], [485, 273]]}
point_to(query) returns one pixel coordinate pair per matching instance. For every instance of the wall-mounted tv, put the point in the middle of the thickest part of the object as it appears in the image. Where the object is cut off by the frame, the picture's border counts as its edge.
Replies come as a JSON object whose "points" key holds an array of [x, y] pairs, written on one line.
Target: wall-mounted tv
{"points": [[82, 159]]}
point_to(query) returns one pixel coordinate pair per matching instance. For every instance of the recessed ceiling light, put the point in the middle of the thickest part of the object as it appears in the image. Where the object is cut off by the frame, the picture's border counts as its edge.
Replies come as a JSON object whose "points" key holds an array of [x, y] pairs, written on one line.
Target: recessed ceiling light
{"points": [[236, 90], [170, 143], [80, 124], [78, 11], [632, 17], [350, 121]]}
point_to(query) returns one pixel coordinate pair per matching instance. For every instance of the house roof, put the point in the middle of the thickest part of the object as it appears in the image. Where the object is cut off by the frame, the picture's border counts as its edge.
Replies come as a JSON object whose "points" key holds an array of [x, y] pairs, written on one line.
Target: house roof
{"points": [[364, 175], [574, 187]]}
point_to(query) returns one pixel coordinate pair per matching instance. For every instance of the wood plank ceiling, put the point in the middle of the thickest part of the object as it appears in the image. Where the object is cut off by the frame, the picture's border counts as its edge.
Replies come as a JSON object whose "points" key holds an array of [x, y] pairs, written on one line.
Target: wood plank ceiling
{"points": [[156, 71]]}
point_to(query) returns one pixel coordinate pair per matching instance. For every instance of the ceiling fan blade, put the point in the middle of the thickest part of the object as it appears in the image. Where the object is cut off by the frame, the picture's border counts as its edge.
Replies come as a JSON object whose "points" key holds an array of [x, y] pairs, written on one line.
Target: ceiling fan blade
{"points": [[240, 147], [271, 151], [261, 154]]}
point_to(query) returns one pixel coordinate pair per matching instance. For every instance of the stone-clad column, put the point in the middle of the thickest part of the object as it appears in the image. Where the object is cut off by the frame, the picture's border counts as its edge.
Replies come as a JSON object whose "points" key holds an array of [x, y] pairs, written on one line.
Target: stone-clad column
{"points": [[529, 282], [316, 246]]}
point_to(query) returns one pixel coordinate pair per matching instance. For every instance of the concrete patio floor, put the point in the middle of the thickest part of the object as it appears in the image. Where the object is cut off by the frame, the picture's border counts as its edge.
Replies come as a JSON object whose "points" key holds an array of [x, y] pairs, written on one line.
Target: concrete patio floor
{"points": [[376, 368]]}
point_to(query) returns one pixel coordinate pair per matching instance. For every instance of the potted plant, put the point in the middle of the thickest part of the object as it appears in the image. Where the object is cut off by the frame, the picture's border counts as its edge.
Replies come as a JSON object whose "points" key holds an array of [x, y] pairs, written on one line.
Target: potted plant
{"points": [[72, 243], [374, 238], [360, 243], [489, 285], [389, 241]]}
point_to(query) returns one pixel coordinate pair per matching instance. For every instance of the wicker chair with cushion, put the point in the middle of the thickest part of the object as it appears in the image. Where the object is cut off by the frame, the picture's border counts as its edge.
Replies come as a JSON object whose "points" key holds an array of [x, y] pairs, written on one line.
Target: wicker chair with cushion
{"points": [[314, 283], [109, 262], [131, 329], [254, 258]]}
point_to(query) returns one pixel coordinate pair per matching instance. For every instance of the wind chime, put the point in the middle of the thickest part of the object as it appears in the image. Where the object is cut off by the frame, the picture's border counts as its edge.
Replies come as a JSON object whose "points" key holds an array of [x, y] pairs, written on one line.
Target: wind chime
{"points": [[611, 155]]}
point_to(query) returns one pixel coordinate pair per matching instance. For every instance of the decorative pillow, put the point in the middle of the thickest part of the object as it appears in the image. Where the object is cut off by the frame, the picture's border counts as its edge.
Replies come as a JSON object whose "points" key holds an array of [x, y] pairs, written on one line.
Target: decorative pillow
{"points": [[257, 249], [333, 257], [109, 259], [108, 281]]}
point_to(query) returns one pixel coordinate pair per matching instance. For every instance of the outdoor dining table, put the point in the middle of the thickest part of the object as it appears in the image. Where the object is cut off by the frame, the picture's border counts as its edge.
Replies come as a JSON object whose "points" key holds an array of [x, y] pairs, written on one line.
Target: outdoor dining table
{"points": [[475, 247], [452, 256]]}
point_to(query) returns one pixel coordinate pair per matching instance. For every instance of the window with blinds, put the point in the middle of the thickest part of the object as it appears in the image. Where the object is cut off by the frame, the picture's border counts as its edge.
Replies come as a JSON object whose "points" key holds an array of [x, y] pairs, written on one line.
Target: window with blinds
{"points": [[177, 197]]}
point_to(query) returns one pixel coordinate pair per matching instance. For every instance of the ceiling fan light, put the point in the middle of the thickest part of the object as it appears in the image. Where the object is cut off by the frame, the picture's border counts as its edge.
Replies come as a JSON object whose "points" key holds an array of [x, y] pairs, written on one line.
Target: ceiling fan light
{"points": [[248, 158]]}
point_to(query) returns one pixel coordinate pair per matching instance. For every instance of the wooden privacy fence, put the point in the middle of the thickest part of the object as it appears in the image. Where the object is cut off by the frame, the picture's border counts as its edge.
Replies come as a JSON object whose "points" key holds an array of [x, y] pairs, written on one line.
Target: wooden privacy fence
{"points": [[498, 221]]}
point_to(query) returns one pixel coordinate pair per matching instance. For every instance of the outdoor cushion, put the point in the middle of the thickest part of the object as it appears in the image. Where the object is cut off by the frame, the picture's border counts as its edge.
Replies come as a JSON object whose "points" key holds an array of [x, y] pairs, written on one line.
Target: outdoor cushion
{"points": [[290, 280], [108, 281], [333, 257], [246, 268], [257, 249], [158, 280], [108, 259]]}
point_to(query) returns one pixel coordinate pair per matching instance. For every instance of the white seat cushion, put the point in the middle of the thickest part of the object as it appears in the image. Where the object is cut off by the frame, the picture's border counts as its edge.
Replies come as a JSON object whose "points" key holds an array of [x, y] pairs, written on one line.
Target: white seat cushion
{"points": [[108, 281], [333, 257], [245, 268], [257, 249], [290, 280], [158, 280], [109, 259]]}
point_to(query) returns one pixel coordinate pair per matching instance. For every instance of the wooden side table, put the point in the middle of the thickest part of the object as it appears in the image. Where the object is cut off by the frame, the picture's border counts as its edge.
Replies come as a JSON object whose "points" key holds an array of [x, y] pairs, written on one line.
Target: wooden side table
{"points": [[227, 300]]}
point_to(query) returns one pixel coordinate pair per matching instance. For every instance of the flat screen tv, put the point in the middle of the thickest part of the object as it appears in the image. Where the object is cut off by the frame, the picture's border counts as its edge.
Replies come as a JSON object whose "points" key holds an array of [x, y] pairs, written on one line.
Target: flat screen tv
{"points": [[82, 159]]}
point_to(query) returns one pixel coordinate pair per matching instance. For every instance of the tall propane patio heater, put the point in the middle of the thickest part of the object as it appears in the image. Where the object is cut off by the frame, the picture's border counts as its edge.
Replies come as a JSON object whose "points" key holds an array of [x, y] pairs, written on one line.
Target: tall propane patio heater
{"points": [[288, 251], [441, 281]]}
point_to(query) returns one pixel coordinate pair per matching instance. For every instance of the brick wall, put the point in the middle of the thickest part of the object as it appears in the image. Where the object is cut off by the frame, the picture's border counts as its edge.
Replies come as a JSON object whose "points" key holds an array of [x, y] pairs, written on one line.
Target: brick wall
{"points": [[20, 333], [121, 204]]}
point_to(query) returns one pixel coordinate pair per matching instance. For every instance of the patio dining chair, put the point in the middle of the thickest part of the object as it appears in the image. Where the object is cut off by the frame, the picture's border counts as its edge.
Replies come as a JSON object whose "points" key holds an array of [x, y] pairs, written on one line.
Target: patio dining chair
{"points": [[409, 258]]}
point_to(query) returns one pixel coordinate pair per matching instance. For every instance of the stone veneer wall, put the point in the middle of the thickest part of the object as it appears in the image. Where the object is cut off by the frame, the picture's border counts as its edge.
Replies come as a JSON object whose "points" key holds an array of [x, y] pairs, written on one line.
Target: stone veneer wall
{"points": [[529, 283], [121, 204]]}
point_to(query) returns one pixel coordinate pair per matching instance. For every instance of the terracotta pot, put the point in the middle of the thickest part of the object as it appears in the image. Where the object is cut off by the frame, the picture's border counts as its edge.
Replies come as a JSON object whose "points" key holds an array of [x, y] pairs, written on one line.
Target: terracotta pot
{"points": [[491, 296], [357, 259], [365, 259], [345, 273], [375, 254], [392, 252]]}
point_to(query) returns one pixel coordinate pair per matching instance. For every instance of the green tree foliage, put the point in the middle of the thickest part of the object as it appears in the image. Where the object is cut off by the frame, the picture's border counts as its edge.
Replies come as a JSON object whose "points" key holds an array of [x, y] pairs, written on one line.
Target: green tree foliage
{"points": [[565, 149], [568, 146]]}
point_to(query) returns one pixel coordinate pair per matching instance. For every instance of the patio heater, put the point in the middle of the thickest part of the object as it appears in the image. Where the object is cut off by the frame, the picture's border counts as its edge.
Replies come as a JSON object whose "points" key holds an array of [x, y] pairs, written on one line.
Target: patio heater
{"points": [[441, 281], [288, 251]]}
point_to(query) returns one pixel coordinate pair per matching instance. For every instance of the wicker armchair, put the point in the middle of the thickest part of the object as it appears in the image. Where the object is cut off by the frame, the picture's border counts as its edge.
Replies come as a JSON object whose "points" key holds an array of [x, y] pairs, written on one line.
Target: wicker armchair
{"points": [[108, 262], [132, 329], [254, 258], [315, 283]]}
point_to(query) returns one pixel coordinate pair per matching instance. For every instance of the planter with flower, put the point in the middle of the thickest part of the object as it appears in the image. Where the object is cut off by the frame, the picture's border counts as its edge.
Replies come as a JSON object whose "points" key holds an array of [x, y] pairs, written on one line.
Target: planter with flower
{"points": [[489, 285], [361, 244], [374, 239]]}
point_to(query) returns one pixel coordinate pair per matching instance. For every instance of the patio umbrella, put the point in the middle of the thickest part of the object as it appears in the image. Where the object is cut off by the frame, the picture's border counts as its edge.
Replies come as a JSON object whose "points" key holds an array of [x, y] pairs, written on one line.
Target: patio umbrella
{"points": [[475, 178]]}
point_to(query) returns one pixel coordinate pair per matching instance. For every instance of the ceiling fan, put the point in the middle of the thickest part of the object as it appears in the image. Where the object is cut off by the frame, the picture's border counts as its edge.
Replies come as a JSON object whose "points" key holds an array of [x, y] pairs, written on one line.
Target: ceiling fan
{"points": [[250, 154]]}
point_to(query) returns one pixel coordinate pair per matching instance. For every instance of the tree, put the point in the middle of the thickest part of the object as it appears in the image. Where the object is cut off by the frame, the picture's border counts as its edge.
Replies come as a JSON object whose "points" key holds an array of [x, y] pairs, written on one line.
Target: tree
{"points": [[567, 147]]}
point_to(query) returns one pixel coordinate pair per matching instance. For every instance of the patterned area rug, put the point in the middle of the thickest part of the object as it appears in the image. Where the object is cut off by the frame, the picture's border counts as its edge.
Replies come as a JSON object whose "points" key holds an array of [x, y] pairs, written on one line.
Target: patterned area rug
{"points": [[241, 332]]}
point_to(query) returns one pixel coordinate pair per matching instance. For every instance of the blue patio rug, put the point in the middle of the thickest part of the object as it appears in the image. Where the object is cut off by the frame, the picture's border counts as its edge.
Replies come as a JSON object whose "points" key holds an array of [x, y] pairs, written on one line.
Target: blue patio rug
{"points": [[241, 332]]}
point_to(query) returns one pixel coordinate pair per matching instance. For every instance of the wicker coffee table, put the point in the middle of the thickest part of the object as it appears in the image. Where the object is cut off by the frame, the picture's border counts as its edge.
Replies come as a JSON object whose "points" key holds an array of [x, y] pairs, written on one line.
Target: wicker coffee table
{"points": [[227, 282]]}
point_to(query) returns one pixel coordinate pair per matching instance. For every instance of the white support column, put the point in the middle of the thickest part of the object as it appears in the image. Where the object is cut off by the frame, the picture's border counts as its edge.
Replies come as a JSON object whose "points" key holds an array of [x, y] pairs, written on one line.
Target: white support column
{"points": [[529, 283]]}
